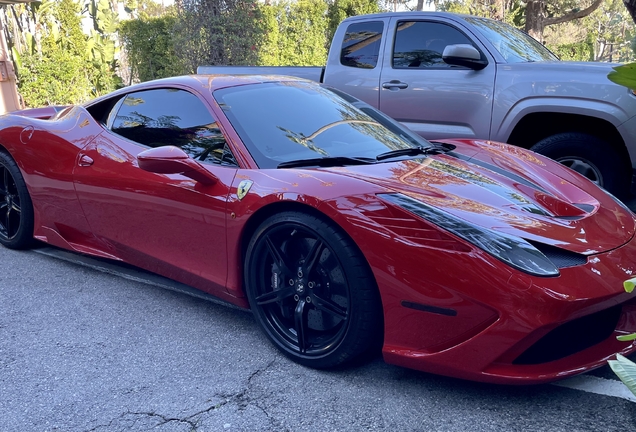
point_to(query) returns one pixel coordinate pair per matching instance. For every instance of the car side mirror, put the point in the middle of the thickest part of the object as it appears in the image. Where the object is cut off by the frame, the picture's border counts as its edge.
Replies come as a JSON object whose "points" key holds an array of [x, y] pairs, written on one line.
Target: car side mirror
{"points": [[173, 160], [464, 55]]}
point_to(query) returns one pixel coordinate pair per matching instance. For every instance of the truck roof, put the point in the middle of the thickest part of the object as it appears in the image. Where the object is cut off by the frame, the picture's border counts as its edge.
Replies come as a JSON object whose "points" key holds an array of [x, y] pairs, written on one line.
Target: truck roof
{"points": [[408, 14]]}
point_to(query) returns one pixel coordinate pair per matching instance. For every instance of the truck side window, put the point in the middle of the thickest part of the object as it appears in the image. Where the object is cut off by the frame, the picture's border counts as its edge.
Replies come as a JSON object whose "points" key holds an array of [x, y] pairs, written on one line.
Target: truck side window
{"points": [[361, 44], [420, 44]]}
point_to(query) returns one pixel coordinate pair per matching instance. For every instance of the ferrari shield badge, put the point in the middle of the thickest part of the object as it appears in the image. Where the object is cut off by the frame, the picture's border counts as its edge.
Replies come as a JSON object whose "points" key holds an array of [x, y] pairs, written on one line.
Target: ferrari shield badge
{"points": [[243, 188]]}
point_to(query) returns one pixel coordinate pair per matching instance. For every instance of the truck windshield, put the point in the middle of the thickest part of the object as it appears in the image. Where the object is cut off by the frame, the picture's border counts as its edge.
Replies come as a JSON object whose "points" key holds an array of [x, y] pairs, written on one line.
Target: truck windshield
{"points": [[514, 45], [281, 122]]}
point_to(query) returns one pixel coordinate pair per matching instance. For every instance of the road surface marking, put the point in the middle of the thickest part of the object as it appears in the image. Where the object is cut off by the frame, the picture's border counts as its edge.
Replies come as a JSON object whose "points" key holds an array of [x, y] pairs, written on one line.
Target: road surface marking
{"points": [[602, 386]]}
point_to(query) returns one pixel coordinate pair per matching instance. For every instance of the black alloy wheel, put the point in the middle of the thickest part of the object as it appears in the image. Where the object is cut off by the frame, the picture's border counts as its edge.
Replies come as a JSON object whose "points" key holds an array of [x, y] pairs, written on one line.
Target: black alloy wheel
{"points": [[16, 210], [311, 290]]}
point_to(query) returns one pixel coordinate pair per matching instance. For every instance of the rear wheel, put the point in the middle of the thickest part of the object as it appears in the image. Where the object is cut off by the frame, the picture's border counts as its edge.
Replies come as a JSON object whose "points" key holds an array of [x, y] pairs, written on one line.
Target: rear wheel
{"points": [[589, 156], [16, 209], [311, 290]]}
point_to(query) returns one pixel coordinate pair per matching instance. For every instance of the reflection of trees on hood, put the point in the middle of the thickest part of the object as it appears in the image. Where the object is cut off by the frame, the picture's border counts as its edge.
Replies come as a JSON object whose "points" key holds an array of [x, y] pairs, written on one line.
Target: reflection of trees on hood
{"points": [[438, 175]]}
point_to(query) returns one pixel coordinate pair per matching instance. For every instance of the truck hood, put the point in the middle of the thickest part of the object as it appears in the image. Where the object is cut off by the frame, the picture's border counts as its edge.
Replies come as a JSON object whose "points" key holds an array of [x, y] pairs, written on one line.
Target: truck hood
{"points": [[510, 190]]}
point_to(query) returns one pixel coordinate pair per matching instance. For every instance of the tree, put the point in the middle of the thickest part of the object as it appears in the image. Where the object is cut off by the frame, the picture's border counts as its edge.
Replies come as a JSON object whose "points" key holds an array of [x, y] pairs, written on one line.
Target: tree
{"points": [[55, 69], [56, 62], [102, 45], [542, 13], [295, 33], [150, 48], [533, 15], [218, 32]]}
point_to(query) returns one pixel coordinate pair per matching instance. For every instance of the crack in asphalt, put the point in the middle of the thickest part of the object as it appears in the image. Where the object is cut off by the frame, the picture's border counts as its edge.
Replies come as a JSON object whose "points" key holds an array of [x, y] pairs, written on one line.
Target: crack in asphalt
{"points": [[241, 398]]}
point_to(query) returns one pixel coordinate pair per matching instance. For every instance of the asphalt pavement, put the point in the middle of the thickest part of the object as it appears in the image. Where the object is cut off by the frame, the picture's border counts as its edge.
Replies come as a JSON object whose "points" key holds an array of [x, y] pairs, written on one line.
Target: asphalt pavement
{"points": [[87, 350]]}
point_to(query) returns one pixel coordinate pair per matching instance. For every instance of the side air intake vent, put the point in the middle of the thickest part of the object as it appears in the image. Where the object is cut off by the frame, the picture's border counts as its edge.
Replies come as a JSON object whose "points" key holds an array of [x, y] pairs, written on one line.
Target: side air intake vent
{"points": [[572, 337]]}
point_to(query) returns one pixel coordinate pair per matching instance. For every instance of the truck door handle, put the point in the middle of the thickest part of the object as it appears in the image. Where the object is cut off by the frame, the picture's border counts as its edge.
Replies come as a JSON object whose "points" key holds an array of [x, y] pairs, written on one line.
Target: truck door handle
{"points": [[394, 84], [85, 161]]}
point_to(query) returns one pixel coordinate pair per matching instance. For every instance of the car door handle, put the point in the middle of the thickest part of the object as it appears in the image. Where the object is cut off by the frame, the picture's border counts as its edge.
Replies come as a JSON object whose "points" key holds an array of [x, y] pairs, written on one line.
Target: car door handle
{"points": [[85, 161], [394, 84]]}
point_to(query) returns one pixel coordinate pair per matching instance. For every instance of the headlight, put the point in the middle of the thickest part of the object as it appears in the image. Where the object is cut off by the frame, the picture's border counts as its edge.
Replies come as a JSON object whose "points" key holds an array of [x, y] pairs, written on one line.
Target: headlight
{"points": [[512, 250]]}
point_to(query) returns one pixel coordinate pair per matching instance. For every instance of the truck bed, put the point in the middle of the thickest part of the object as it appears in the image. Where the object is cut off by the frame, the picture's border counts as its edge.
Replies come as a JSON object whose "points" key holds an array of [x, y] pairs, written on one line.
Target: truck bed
{"points": [[313, 73]]}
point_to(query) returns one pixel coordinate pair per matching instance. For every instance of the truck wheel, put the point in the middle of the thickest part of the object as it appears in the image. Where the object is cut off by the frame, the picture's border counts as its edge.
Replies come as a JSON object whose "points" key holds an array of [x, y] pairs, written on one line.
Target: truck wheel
{"points": [[589, 156]]}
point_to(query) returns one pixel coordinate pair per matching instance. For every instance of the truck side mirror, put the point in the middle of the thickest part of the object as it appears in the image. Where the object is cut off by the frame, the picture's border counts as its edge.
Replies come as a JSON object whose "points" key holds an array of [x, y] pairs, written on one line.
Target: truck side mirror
{"points": [[464, 55]]}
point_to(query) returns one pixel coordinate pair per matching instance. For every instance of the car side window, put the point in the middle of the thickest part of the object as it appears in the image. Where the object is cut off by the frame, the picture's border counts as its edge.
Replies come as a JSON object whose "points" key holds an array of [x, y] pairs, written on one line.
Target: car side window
{"points": [[420, 44], [361, 45], [161, 117]]}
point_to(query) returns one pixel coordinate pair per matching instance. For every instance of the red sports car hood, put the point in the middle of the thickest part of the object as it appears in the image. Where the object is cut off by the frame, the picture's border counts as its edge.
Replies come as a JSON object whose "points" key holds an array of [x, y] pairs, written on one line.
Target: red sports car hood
{"points": [[510, 190]]}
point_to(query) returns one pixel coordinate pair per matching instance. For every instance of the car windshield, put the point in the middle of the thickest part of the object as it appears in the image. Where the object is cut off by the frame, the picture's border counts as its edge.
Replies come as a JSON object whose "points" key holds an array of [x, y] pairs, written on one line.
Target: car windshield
{"points": [[514, 45], [282, 122]]}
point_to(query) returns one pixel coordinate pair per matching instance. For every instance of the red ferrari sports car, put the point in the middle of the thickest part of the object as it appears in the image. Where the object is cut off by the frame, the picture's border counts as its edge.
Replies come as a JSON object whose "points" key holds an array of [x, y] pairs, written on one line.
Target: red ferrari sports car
{"points": [[338, 227]]}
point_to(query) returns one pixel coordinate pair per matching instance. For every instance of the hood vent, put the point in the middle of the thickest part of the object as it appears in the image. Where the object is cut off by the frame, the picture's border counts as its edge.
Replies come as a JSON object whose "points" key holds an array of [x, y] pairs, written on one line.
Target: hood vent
{"points": [[548, 204], [498, 170], [561, 258]]}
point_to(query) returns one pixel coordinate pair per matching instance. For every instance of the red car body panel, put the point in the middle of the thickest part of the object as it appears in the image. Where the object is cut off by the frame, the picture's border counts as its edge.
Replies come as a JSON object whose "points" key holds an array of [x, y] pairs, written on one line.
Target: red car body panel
{"points": [[449, 307]]}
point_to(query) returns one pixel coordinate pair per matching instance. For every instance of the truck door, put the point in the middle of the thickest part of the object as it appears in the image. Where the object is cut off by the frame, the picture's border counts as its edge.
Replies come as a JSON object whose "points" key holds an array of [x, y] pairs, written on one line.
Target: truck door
{"points": [[431, 97], [354, 61]]}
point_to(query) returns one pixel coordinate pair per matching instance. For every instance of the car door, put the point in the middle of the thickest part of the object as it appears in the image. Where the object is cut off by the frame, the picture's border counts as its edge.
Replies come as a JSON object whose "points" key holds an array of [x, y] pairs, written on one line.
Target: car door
{"points": [[419, 89], [166, 223]]}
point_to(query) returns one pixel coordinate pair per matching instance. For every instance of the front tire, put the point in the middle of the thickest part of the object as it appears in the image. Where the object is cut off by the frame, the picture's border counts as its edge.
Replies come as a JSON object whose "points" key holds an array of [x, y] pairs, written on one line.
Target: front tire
{"points": [[589, 156], [16, 209], [311, 290]]}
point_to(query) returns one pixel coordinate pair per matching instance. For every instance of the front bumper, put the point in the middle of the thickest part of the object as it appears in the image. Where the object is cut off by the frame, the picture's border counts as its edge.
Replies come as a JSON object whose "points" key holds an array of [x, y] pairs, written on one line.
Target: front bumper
{"points": [[536, 330]]}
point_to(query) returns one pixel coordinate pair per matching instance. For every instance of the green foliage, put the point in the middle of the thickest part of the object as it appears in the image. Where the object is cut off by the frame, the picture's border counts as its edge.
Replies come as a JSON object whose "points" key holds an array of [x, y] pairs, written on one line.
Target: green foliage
{"points": [[54, 79], [101, 47], [626, 338], [625, 370], [624, 75], [56, 74], [56, 62], [150, 48], [629, 285], [513, 11], [604, 35], [147, 8], [622, 367], [295, 33], [66, 33], [218, 32], [573, 51]]}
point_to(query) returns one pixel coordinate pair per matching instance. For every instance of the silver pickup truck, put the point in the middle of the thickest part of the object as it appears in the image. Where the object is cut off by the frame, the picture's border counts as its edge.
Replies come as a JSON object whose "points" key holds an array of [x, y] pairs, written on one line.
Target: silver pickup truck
{"points": [[447, 75]]}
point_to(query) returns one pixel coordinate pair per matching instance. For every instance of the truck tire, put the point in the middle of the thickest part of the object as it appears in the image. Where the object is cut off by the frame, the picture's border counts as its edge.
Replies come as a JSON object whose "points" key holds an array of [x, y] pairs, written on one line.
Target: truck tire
{"points": [[590, 157]]}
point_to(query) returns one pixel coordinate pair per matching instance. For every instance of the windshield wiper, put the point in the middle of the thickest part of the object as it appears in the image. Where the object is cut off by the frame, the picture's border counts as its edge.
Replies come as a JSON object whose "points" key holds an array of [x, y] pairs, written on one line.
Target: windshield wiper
{"points": [[435, 148], [411, 151], [327, 161]]}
